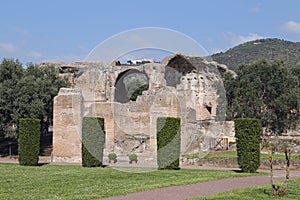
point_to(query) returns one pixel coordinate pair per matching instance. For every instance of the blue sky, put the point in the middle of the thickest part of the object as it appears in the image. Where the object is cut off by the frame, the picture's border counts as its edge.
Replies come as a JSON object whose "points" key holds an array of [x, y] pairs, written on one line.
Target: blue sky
{"points": [[65, 30]]}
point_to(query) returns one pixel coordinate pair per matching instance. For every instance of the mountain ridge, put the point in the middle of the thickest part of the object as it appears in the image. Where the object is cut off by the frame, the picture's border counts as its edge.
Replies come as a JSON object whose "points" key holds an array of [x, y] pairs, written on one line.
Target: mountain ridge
{"points": [[270, 49]]}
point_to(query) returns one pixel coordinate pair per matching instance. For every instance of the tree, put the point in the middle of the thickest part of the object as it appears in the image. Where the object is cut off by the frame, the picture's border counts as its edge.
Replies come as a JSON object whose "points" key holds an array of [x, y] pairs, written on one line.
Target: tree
{"points": [[11, 71], [296, 71], [27, 93], [267, 91], [44, 87]]}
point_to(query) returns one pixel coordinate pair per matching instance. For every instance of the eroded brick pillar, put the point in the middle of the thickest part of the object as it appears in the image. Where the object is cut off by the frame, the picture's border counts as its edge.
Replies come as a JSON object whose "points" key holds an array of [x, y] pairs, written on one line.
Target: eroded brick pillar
{"points": [[67, 126]]}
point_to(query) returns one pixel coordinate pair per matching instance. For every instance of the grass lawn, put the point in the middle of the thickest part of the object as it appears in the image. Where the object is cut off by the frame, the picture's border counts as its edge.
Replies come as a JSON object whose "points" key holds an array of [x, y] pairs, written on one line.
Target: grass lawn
{"points": [[225, 154], [76, 182], [262, 192], [233, 154]]}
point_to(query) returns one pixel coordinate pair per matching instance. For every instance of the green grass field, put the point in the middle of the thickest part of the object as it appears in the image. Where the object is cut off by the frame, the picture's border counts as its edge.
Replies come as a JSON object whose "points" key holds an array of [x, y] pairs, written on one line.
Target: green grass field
{"points": [[259, 193], [76, 182], [233, 154]]}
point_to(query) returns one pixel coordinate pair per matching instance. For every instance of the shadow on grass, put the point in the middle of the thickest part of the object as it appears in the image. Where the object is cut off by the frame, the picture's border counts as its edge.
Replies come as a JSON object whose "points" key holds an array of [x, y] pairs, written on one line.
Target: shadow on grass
{"points": [[241, 171], [267, 192], [238, 171], [42, 164]]}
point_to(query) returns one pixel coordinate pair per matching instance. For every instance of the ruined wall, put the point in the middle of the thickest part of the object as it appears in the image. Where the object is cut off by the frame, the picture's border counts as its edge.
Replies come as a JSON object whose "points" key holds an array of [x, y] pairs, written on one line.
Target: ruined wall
{"points": [[181, 86], [67, 124]]}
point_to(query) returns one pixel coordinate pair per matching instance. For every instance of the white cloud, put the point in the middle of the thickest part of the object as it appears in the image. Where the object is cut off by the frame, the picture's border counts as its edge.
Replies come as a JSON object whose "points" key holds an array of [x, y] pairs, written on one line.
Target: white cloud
{"points": [[20, 52], [228, 40], [292, 27], [235, 39], [214, 50], [255, 9], [65, 58], [8, 48], [34, 55]]}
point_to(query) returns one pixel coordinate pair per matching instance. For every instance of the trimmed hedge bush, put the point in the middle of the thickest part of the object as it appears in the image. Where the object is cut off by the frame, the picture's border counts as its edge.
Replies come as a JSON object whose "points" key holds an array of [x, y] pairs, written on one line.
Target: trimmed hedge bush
{"points": [[168, 142], [248, 132], [93, 139], [29, 141]]}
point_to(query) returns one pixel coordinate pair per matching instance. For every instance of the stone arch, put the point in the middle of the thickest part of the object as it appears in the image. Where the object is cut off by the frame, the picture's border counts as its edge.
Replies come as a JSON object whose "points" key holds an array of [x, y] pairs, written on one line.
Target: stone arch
{"points": [[120, 94], [177, 66]]}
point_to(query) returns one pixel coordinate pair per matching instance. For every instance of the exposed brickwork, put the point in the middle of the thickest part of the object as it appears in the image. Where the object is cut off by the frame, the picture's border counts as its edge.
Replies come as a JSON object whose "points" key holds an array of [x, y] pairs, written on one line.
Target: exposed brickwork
{"points": [[180, 86]]}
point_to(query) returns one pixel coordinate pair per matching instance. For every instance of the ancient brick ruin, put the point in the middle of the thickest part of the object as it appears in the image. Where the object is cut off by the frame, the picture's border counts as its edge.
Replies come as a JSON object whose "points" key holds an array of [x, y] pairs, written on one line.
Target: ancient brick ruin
{"points": [[181, 85]]}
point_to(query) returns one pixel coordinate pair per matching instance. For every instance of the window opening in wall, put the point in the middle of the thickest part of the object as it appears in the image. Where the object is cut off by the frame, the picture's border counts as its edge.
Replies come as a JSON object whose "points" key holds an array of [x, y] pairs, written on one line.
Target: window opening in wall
{"points": [[209, 109], [129, 85]]}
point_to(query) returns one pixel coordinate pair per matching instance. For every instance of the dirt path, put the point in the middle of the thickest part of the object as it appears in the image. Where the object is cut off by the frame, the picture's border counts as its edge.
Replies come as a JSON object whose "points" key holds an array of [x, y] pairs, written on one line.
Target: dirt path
{"points": [[205, 188]]}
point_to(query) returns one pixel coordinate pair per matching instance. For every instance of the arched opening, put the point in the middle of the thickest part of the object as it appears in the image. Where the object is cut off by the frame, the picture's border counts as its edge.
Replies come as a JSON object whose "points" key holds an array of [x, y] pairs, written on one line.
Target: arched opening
{"points": [[130, 84], [179, 66]]}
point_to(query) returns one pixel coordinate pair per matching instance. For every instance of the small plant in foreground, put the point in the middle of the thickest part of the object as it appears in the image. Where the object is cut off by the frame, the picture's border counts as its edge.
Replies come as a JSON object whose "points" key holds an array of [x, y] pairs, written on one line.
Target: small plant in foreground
{"points": [[133, 158], [112, 157]]}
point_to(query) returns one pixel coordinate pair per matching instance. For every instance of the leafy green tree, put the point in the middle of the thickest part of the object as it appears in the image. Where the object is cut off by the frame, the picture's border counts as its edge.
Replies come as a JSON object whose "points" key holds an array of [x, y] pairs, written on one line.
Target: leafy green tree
{"points": [[27, 93], [263, 90], [11, 71], [296, 71], [46, 84]]}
